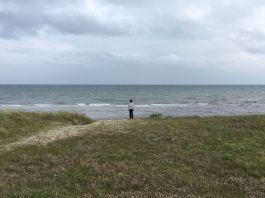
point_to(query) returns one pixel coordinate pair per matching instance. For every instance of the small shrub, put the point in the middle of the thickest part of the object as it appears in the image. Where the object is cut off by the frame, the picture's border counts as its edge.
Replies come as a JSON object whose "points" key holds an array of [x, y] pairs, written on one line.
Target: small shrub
{"points": [[156, 115]]}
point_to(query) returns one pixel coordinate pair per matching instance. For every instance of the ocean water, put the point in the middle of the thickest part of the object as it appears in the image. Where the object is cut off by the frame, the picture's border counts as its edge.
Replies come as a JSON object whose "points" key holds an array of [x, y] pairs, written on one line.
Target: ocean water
{"points": [[110, 101]]}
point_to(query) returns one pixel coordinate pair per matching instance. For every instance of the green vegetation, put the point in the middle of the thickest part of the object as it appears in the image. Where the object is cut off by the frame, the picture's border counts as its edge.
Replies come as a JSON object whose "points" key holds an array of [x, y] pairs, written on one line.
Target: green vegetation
{"points": [[156, 115], [153, 157], [15, 125]]}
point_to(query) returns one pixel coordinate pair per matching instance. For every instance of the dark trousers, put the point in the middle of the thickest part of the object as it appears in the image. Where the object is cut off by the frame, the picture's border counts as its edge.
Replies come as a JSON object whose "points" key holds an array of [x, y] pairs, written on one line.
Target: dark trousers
{"points": [[131, 113]]}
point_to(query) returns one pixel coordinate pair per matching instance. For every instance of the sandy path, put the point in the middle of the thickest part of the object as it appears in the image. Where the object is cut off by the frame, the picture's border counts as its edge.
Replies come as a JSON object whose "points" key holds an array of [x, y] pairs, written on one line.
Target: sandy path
{"points": [[46, 137]]}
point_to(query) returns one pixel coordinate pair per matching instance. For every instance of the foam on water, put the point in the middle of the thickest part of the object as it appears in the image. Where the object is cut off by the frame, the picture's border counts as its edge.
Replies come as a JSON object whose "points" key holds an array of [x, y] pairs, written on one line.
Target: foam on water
{"points": [[203, 104], [81, 104], [12, 105], [42, 105], [171, 105], [99, 105]]}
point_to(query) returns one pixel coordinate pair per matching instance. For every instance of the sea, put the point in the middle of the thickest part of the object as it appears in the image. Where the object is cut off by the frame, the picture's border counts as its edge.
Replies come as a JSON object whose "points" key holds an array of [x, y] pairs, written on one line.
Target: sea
{"points": [[111, 101]]}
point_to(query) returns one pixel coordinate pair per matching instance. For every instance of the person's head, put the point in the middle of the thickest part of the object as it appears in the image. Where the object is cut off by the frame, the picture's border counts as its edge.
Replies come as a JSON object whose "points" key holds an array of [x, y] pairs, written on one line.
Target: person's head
{"points": [[130, 100]]}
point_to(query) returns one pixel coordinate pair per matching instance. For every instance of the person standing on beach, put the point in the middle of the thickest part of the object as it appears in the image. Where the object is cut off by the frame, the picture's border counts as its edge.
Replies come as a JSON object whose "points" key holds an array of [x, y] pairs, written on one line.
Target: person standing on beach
{"points": [[131, 108]]}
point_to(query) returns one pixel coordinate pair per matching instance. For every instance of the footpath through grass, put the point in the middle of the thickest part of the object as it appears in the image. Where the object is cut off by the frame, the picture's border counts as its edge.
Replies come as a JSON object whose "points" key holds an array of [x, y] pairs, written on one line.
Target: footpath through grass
{"points": [[160, 157], [16, 125]]}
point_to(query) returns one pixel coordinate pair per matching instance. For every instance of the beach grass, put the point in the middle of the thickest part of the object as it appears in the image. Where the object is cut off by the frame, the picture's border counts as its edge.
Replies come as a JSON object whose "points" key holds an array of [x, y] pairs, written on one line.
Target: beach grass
{"points": [[16, 125], [151, 157]]}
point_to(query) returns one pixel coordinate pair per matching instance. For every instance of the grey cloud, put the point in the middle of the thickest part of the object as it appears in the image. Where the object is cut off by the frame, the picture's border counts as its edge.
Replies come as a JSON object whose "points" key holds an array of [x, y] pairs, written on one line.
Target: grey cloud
{"points": [[180, 29], [170, 41], [251, 41], [13, 25], [79, 24], [28, 18]]}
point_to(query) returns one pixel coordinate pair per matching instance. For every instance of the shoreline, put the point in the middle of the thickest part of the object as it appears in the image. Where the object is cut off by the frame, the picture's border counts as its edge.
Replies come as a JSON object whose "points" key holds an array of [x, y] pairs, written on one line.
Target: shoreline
{"points": [[154, 115]]}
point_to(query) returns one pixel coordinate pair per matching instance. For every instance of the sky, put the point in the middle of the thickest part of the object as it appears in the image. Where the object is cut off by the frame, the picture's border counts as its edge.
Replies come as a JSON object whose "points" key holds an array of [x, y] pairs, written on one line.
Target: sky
{"points": [[132, 42]]}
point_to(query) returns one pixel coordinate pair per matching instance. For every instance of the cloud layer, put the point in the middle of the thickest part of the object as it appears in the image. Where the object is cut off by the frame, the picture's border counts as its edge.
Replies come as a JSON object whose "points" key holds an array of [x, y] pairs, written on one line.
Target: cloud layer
{"points": [[137, 42]]}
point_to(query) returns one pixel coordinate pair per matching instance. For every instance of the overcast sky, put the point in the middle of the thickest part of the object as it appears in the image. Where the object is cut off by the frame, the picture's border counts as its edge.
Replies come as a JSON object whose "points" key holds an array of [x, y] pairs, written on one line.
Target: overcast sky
{"points": [[132, 42]]}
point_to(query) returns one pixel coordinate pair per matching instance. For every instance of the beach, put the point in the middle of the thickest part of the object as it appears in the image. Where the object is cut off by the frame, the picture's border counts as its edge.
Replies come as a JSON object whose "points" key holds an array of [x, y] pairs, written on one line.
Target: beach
{"points": [[69, 155]]}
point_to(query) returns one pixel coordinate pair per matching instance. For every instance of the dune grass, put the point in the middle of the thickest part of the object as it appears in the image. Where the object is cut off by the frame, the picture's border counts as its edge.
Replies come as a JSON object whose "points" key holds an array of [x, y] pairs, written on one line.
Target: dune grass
{"points": [[154, 157], [15, 125]]}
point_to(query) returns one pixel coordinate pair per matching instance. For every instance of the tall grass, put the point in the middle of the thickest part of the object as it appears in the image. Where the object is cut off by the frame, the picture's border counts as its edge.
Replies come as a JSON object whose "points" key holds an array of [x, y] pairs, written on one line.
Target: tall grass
{"points": [[14, 125]]}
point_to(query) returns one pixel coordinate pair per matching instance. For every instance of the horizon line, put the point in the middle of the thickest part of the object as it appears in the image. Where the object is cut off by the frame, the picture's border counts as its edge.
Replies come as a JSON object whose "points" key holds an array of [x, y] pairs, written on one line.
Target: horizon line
{"points": [[99, 84]]}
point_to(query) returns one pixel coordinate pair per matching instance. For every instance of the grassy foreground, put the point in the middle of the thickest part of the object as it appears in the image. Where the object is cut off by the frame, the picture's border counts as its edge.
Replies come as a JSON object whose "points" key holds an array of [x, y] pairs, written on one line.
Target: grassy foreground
{"points": [[154, 157]]}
